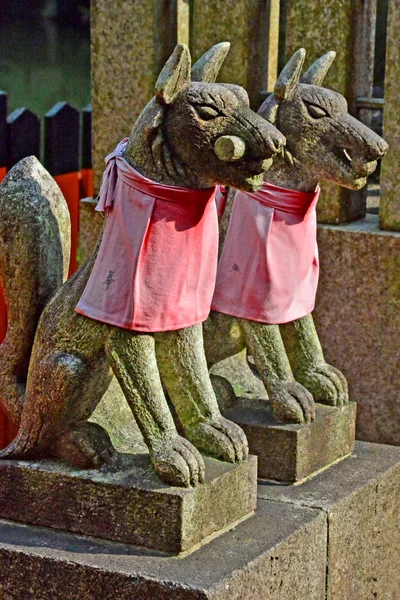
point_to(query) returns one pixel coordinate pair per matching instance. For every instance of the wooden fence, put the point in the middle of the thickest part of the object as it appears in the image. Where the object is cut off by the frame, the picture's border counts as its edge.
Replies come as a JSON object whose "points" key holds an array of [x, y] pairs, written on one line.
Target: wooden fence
{"points": [[62, 142]]}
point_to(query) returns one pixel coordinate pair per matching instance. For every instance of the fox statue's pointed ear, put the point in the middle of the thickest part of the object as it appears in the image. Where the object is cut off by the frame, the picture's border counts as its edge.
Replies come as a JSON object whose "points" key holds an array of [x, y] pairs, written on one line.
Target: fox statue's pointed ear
{"points": [[174, 76], [315, 74], [290, 76], [208, 66]]}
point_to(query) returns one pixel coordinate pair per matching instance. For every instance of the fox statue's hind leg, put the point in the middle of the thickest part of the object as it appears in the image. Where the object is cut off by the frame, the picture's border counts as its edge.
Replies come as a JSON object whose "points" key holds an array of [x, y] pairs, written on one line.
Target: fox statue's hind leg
{"points": [[183, 368], [133, 359], [60, 381], [326, 383]]}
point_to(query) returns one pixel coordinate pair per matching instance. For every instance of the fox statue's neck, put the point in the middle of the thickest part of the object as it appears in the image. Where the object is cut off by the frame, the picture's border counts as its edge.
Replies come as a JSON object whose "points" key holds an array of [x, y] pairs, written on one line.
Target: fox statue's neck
{"points": [[294, 176]]}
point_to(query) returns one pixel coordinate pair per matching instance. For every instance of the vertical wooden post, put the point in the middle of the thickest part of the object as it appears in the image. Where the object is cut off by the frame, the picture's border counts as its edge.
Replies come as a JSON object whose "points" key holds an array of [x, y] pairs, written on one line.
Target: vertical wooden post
{"points": [[273, 43], [61, 159], [245, 24], [183, 21], [131, 40], [23, 135]]}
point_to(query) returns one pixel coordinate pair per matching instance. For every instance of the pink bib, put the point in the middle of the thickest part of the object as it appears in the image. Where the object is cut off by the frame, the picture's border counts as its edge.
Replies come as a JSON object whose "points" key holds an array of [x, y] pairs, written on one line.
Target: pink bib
{"points": [[157, 262], [268, 271]]}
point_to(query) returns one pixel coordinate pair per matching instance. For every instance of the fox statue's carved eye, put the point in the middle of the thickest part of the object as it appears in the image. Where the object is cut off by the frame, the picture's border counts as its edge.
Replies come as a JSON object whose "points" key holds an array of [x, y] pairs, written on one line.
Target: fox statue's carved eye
{"points": [[317, 112], [206, 112]]}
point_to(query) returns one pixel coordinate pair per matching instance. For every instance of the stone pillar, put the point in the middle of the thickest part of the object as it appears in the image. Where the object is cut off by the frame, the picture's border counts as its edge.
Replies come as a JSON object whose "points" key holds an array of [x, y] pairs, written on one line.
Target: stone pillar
{"points": [[348, 27], [131, 39], [358, 320], [246, 25], [390, 174]]}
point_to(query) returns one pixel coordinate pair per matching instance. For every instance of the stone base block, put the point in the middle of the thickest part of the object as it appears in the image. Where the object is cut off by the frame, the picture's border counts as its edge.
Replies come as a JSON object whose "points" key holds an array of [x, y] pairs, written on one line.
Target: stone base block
{"points": [[360, 497], [279, 554], [282, 552], [291, 453], [126, 502]]}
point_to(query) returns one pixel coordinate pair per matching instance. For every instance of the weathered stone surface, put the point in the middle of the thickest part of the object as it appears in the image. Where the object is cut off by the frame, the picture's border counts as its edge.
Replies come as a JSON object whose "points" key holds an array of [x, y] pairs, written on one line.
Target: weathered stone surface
{"points": [[90, 224], [35, 243], [360, 498], [125, 502], [358, 319], [236, 370], [289, 357], [130, 43], [390, 174], [279, 553], [292, 452], [348, 28], [113, 413], [246, 25]]}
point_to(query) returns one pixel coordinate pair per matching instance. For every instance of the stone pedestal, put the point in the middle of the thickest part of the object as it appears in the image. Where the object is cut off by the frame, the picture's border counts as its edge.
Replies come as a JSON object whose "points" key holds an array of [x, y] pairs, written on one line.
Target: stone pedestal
{"points": [[278, 554], [126, 501], [282, 552], [360, 498], [290, 453], [358, 320]]}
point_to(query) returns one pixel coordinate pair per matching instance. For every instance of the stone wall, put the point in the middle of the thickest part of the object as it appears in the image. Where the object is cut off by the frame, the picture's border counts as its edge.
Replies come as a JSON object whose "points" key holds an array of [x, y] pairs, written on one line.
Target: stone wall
{"points": [[358, 319]]}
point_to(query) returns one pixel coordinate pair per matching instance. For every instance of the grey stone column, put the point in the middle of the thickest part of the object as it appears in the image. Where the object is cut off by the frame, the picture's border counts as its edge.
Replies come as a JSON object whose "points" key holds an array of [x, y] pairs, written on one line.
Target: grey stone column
{"points": [[131, 39], [390, 174], [348, 27], [245, 24]]}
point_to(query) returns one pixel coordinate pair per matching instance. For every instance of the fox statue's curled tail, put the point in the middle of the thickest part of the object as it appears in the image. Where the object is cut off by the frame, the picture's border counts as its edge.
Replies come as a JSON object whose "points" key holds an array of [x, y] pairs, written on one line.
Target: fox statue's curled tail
{"points": [[35, 244]]}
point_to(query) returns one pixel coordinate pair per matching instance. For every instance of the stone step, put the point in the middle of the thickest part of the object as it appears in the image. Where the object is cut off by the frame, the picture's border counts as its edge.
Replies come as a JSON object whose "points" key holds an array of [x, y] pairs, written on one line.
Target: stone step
{"points": [[336, 537]]}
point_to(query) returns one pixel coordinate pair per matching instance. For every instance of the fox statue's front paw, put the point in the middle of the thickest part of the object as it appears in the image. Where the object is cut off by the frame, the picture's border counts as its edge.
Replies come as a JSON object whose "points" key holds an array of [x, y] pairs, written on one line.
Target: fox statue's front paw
{"points": [[177, 462], [326, 383], [220, 438], [291, 403]]}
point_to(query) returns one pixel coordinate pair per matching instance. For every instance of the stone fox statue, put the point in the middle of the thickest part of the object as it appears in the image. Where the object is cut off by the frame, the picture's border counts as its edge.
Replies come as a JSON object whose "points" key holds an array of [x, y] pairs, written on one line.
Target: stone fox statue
{"points": [[56, 364], [268, 270]]}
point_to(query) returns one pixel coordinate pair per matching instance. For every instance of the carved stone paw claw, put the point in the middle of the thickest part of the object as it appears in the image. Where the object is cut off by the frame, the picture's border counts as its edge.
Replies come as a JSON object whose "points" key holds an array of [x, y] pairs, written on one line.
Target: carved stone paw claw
{"points": [[86, 446], [177, 462], [292, 403], [220, 439], [326, 383]]}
